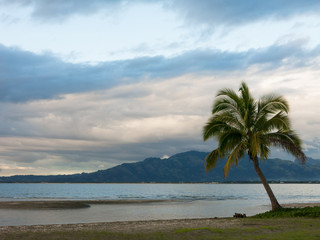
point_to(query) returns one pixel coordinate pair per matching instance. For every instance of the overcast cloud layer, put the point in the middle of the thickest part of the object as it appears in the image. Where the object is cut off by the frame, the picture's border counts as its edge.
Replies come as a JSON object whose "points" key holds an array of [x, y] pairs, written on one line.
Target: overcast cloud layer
{"points": [[86, 85]]}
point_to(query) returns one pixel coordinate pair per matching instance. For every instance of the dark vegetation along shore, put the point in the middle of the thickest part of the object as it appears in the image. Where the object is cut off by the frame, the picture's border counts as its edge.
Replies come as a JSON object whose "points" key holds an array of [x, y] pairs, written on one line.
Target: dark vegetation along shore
{"points": [[188, 168], [294, 223]]}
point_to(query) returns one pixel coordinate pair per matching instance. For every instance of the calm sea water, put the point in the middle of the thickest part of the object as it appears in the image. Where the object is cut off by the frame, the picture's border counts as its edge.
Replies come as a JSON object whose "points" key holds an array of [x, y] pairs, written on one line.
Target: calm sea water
{"points": [[193, 201]]}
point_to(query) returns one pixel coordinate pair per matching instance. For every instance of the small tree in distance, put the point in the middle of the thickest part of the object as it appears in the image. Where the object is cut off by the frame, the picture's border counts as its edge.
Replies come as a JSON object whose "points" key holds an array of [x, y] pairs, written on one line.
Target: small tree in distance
{"points": [[242, 125]]}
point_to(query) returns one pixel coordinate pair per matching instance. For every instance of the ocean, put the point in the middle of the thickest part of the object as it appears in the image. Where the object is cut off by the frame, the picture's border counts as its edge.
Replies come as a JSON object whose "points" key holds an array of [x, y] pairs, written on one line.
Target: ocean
{"points": [[186, 201]]}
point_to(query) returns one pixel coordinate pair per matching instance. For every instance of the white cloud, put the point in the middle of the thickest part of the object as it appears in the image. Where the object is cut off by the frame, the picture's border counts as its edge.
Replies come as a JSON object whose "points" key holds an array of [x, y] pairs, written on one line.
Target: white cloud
{"points": [[84, 131]]}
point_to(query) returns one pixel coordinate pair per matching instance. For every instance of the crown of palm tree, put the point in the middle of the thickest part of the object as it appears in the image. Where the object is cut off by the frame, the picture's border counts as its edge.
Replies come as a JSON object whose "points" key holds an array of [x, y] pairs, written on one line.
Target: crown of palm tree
{"points": [[242, 125]]}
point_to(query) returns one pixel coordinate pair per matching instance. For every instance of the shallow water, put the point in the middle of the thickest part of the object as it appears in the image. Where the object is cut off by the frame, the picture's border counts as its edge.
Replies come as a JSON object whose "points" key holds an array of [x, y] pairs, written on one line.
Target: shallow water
{"points": [[192, 201]]}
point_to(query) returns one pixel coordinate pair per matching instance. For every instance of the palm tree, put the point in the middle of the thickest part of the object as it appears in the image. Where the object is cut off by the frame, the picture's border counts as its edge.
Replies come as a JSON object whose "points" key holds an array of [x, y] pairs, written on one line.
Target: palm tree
{"points": [[242, 125]]}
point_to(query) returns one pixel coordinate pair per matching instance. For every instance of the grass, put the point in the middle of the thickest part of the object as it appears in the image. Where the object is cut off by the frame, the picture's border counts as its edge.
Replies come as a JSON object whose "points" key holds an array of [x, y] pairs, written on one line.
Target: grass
{"points": [[312, 212], [185, 230]]}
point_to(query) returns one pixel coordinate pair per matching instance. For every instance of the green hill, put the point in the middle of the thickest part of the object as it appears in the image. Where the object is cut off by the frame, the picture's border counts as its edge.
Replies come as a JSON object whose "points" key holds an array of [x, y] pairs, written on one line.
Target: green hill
{"points": [[186, 167]]}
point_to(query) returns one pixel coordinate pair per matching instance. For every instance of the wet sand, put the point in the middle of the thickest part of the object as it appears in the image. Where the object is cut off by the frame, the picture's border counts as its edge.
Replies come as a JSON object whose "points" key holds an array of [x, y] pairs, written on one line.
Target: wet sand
{"points": [[69, 204]]}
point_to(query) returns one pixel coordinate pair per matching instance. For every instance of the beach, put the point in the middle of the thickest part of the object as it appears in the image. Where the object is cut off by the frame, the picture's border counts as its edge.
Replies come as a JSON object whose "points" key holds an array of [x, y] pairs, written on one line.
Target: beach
{"points": [[212, 228], [156, 229], [122, 226], [169, 212], [128, 226]]}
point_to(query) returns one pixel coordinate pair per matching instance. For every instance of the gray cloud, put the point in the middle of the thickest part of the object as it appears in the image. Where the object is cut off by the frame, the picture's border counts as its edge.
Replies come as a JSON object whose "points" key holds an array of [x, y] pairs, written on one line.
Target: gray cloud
{"points": [[233, 12], [227, 12], [57, 161], [26, 76], [61, 10]]}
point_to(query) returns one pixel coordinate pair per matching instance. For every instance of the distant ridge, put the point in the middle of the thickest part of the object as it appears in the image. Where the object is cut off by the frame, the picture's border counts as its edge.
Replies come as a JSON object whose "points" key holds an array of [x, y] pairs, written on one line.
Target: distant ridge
{"points": [[187, 167]]}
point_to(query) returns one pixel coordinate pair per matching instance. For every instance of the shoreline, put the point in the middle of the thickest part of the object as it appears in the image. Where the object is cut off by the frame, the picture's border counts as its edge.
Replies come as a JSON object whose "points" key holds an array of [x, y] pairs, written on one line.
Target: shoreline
{"points": [[225, 182], [78, 204], [115, 226], [136, 226]]}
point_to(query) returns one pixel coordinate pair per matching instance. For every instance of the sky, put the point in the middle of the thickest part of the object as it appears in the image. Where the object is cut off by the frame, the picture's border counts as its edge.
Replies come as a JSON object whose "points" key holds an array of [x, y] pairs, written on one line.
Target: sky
{"points": [[86, 85]]}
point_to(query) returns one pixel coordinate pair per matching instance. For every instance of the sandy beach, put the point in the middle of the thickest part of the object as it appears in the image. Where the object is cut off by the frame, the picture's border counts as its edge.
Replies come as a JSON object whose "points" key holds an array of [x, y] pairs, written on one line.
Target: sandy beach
{"points": [[130, 226], [164, 229], [127, 226], [156, 229]]}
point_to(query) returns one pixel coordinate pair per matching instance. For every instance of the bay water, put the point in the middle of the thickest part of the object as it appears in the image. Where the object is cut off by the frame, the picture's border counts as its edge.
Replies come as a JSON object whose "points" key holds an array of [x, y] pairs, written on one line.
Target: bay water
{"points": [[186, 201]]}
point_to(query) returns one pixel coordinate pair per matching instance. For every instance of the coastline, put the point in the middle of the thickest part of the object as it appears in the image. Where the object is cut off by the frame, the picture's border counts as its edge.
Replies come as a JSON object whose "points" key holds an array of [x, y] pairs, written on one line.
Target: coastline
{"points": [[170, 227], [78, 204]]}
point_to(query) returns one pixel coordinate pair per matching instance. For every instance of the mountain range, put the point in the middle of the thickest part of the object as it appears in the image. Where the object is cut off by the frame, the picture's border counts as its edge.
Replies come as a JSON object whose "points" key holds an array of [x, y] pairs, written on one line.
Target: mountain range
{"points": [[187, 167]]}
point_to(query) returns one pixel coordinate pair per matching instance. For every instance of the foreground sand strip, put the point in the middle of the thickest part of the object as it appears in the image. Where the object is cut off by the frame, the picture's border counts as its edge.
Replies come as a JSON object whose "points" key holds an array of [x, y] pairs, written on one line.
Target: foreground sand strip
{"points": [[130, 226]]}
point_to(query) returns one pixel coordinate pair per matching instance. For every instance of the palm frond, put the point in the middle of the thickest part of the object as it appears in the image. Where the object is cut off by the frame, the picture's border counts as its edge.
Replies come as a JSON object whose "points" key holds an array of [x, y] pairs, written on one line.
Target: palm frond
{"points": [[228, 95], [231, 119], [245, 93], [265, 151], [267, 107], [273, 103], [277, 121], [254, 144], [221, 123], [235, 155], [211, 159], [248, 106], [288, 141], [228, 140], [224, 104], [212, 129]]}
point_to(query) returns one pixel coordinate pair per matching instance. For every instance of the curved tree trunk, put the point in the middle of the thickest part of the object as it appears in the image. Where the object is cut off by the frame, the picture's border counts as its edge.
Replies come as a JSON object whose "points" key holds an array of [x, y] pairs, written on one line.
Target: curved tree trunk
{"points": [[274, 202]]}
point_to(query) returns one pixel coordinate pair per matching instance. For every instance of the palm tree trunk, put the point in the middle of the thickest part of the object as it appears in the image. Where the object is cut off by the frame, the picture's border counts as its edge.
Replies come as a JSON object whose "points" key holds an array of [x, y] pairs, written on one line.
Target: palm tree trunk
{"points": [[274, 202]]}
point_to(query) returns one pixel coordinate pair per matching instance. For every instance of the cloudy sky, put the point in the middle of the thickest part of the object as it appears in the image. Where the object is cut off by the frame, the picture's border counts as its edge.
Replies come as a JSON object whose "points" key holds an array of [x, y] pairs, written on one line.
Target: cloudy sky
{"points": [[89, 84]]}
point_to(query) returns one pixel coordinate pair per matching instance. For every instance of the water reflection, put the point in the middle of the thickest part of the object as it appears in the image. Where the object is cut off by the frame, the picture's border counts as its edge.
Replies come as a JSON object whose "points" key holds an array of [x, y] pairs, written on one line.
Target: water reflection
{"points": [[131, 212]]}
